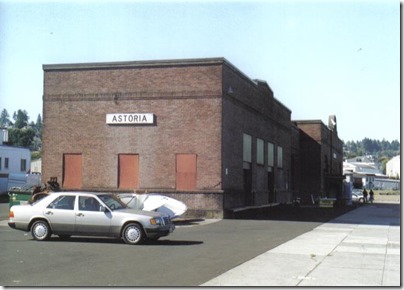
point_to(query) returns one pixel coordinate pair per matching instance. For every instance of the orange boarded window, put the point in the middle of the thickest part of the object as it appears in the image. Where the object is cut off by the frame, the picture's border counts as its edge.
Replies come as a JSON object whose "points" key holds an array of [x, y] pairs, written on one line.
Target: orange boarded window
{"points": [[186, 172], [128, 171], [72, 170]]}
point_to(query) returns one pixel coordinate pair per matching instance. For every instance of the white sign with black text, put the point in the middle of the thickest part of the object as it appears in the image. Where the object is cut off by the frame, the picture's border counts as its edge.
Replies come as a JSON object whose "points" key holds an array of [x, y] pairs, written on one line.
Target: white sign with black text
{"points": [[130, 118]]}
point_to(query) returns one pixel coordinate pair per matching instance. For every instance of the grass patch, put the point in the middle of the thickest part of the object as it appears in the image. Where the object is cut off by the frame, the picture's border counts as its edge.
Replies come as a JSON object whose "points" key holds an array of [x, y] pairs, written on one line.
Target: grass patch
{"points": [[387, 192]]}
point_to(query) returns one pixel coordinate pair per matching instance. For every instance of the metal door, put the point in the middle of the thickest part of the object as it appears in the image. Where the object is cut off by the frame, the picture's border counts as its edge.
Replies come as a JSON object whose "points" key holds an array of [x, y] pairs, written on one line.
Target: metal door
{"points": [[186, 171], [72, 171], [128, 171]]}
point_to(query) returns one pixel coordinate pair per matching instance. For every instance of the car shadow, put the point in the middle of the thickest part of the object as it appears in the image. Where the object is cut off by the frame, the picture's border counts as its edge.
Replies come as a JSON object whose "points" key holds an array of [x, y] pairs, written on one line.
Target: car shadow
{"points": [[188, 221], [172, 243], [104, 240], [96, 240]]}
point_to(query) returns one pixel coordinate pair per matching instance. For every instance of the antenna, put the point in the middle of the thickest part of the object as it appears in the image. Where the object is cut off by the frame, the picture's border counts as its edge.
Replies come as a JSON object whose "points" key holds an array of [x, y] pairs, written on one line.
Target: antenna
{"points": [[332, 123]]}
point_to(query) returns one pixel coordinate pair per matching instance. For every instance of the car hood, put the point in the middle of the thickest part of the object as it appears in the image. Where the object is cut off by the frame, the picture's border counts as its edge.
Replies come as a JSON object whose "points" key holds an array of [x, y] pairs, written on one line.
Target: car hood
{"points": [[140, 212]]}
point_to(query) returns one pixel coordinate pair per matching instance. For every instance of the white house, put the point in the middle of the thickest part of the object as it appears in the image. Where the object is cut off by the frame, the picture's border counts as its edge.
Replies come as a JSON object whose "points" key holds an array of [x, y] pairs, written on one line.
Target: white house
{"points": [[393, 167], [36, 166], [15, 162], [366, 175], [361, 167]]}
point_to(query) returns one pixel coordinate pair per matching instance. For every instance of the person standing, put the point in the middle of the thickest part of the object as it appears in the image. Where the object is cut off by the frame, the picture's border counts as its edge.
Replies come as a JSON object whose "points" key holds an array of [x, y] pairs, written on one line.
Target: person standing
{"points": [[365, 196], [371, 196]]}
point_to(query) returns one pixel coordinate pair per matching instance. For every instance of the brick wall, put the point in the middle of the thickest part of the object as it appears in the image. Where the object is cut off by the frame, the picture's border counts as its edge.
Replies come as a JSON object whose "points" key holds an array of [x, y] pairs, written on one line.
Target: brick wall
{"points": [[317, 149], [249, 107], [186, 101], [201, 107]]}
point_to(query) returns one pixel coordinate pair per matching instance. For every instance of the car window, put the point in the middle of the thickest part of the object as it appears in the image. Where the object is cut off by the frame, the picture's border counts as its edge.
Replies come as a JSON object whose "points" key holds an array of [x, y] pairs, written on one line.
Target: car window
{"points": [[88, 203], [63, 202], [112, 201]]}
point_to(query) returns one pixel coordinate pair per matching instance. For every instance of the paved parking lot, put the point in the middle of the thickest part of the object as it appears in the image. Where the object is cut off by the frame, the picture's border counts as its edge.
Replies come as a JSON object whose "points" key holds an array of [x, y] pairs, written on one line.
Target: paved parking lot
{"points": [[210, 252], [192, 255]]}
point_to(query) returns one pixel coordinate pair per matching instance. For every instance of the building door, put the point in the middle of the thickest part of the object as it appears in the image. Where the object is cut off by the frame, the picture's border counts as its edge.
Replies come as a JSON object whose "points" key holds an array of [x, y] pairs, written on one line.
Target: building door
{"points": [[247, 185], [72, 171], [271, 187], [186, 171], [128, 171]]}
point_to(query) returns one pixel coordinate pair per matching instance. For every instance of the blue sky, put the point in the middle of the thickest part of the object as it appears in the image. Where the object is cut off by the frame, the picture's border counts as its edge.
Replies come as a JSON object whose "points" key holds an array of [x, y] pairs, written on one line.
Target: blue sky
{"points": [[320, 58]]}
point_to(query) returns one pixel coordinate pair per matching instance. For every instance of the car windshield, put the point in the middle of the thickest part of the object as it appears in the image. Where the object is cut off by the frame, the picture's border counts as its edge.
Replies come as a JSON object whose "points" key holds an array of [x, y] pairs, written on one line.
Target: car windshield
{"points": [[112, 201]]}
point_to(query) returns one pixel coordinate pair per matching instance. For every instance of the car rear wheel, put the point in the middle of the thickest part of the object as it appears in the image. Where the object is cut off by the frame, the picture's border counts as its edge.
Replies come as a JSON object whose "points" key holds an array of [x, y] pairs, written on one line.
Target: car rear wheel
{"points": [[133, 234], [40, 230]]}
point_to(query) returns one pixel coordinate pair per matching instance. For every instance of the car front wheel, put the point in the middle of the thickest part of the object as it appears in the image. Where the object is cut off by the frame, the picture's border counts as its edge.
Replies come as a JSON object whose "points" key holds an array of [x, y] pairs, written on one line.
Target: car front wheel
{"points": [[41, 231], [133, 234]]}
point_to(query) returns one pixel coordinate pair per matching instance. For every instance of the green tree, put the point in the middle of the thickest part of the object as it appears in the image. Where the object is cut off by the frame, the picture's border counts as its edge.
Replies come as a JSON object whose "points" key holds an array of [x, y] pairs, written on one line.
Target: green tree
{"points": [[379, 149], [36, 144], [4, 118], [21, 137], [21, 119], [38, 126]]}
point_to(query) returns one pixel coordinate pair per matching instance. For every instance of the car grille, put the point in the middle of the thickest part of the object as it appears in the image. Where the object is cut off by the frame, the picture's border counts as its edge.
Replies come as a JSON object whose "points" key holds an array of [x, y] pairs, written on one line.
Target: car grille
{"points": [[167, 220]]}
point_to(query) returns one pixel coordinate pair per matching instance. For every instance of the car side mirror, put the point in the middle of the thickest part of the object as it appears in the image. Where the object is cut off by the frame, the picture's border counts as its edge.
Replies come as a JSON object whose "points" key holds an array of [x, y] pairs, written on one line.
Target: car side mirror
{"points": [[103, 208]]}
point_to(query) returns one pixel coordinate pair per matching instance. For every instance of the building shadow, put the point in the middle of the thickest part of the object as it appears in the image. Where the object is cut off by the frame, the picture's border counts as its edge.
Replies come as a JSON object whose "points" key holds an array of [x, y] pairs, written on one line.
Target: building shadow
{"points": [[384, 213]]}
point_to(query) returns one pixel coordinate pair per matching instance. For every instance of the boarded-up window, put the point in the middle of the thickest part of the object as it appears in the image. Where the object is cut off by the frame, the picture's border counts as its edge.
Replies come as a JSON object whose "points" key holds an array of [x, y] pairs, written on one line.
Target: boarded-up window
{"points": [[247, 148], [280, 157], [72, 171], [260, 151], [128, 171], [270, 155], [186, 172]]}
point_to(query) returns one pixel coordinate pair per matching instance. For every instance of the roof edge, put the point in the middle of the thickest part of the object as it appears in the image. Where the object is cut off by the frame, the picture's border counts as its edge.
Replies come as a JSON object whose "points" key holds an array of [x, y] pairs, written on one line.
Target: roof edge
{"points": [[134, 64], [308, 122]]}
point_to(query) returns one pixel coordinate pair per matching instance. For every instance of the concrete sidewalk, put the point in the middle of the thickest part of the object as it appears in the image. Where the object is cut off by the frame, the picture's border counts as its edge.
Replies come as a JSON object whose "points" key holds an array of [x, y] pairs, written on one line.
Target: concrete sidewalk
{"points": [[360, 248]]}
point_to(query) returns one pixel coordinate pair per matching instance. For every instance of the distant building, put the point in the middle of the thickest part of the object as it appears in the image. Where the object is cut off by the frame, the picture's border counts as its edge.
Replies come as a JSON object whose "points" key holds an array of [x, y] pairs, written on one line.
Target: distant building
{"points": [[361, 167], [366, 174], [319, 161], [3, 135], [36, 166], [393, 167], [15, 162], [368, 159]]}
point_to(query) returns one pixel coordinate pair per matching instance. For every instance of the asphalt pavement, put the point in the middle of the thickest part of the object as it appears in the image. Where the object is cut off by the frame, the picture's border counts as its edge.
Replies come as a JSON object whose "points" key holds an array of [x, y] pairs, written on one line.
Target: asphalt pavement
{"points": [[359, 248]]}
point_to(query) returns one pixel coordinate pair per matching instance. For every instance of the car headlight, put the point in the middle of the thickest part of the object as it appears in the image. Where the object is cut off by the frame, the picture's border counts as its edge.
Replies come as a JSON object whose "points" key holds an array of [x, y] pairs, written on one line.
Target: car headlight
{"points": [[156, 221]]}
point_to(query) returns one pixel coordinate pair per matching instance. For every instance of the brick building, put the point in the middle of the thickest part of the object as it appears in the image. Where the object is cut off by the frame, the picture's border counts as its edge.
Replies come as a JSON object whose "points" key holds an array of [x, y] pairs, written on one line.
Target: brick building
{"points": [[318, 161], [198, 130]]}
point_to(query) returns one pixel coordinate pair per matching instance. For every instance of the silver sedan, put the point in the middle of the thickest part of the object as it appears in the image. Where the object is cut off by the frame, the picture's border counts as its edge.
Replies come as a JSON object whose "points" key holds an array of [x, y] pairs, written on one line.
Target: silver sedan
{"points": [[357, 195], [88, 214]]}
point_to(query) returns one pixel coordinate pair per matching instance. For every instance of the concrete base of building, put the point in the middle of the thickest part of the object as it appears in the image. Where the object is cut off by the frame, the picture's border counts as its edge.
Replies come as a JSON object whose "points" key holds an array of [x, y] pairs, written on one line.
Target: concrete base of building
{"points": [[204, 214]]}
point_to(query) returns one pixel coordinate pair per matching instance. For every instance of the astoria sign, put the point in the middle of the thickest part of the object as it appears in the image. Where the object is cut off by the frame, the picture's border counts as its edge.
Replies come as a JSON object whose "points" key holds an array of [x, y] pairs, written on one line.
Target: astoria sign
{"points": [[130, 119]]}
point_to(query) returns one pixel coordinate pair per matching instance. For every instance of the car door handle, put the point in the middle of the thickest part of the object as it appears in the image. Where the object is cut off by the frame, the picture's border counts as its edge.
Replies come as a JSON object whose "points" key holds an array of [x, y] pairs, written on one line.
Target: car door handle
{"points": [[79, 214], [49, 212]]}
